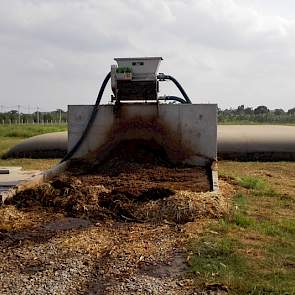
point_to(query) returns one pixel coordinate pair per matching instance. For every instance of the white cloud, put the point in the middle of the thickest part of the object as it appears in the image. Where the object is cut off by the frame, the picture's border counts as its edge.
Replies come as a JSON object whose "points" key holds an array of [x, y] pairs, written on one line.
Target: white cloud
{"points": [[225, 51]]}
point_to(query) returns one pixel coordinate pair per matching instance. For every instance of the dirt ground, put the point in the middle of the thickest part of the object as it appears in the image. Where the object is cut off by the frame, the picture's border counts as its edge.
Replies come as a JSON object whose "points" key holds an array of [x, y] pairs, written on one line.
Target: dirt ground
{"points": [[114, 230]]}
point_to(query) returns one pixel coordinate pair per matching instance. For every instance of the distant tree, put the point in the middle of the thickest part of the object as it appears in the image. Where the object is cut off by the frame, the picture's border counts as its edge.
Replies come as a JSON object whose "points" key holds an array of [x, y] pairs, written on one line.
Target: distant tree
{"points": [[261, 110], [12, 115], [279, 112], [240, 110], [260, 114], [248, 111], [13, 112]]}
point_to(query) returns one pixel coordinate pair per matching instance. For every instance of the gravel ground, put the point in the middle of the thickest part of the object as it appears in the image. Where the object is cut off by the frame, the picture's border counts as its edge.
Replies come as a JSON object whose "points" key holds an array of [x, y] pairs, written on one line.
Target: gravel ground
{"points": [[110, 258], [95, 258]]}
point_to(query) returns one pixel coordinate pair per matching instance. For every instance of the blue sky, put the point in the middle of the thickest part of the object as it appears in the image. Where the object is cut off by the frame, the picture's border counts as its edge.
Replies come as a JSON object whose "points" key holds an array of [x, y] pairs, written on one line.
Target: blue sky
{"points": [[230, 52]]}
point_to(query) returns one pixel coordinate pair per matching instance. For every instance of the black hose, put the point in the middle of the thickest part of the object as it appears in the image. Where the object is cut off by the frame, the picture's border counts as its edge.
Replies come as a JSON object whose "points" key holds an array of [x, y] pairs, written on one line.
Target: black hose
{"points": [[173, 98], [163, 77], [91, 120]]}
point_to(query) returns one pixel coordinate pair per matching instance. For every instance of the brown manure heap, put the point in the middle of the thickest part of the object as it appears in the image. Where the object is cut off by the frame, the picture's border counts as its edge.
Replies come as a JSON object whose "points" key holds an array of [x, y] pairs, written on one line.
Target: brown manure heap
{"points": [[131, 186]]}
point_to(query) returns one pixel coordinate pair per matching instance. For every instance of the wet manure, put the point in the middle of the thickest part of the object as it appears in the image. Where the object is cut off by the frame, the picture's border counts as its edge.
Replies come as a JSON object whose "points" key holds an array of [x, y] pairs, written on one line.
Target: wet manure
{"points": [[152, 204]]}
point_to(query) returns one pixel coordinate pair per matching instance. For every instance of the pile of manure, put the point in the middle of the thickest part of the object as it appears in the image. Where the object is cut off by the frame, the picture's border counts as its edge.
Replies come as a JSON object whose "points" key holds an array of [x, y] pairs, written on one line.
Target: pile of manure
{"points": [[69, 195]]}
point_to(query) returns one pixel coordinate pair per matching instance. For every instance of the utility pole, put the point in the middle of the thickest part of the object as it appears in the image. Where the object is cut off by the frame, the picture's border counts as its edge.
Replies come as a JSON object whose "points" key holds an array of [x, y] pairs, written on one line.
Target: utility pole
{"points": [[29, 114], [38, 115], [59, 116], [18, 111]]}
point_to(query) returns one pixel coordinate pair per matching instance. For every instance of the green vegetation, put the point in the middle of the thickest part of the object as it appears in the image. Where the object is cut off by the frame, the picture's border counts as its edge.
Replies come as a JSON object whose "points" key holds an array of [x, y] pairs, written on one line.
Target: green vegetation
{"points": [[216, 260], [25, 131], [252, 249], [258, 115], [252, 182], [123, 70], [30, 164], [18, 117]]}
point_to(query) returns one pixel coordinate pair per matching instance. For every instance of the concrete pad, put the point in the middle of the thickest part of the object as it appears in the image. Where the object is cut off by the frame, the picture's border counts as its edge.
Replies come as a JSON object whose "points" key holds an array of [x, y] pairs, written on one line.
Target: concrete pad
{"points": [[16, 176]]}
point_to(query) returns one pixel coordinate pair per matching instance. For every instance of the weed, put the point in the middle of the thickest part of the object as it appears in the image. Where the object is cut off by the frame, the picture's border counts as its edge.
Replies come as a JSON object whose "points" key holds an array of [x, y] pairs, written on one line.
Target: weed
{"points": [[223, 226], [240, 200], [242, 220], [258, 186], [252, 182], [267, 192], [288, 226], [286, 201], [284, 228], [217, 260], [269, 228]]}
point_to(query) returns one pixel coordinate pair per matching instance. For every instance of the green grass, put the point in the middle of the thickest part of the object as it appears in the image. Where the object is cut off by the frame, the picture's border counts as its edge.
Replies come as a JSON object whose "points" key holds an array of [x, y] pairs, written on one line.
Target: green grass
{"points": [[240, 199], [242, 220], [252, 182], [216, 260], [30, 164], [223, 259], [251, 250], [25, 131], [258, 186]]}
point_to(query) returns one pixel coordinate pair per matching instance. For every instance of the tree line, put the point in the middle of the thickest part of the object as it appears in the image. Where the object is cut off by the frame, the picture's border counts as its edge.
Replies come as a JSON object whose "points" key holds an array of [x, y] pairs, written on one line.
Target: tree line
{"points": [[260, 114], [15, 117], [242, 114]]}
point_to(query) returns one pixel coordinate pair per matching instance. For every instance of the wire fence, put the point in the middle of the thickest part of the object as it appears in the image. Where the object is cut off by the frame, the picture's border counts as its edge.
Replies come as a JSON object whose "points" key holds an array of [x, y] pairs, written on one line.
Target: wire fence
{"points": [[22, 115], [33, 122]]}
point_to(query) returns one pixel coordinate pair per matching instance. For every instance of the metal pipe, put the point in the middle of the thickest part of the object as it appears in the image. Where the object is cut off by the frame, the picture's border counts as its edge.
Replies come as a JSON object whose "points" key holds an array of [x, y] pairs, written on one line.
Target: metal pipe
{"points": [[163, 77]]}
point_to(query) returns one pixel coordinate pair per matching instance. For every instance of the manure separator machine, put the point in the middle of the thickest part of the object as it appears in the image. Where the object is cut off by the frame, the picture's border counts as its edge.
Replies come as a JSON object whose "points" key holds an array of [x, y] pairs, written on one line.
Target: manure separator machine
{"points": [[139, 118], [185, 132]]}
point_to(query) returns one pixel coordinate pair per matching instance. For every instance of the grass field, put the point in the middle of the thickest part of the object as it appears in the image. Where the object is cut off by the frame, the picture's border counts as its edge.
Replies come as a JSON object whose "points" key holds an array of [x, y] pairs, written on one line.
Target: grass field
{"points": [[10, 135], [252, 250], [25, 131]]}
